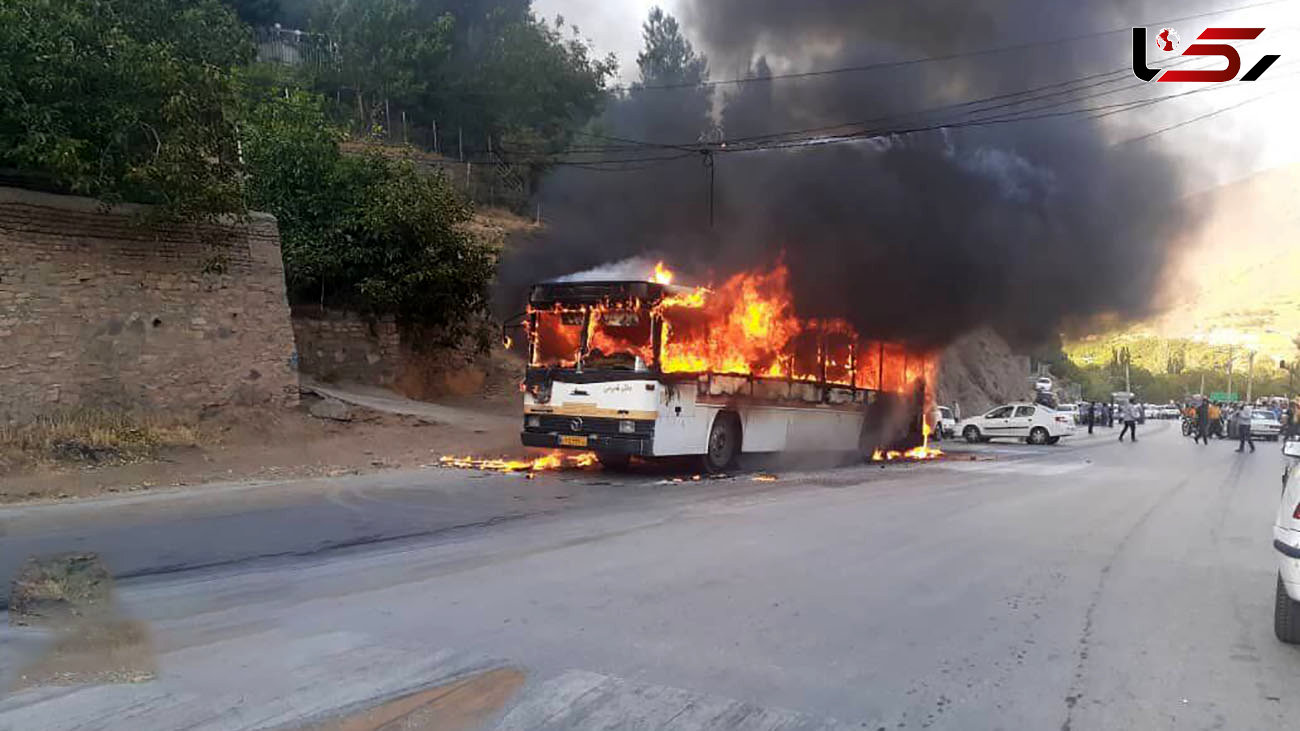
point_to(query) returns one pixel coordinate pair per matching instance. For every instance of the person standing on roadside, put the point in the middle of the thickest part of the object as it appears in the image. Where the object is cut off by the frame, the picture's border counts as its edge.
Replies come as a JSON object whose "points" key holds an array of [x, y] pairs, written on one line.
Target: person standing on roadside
{"points": [[1090, 414], [1216, 416], [1202, 422], [1130, 416], [1244, 416]]}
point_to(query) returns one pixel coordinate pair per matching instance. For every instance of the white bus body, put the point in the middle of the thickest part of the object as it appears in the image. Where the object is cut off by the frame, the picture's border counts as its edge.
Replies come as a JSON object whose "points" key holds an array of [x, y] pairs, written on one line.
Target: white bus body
{"points": [[624, 406], [651, 418]]}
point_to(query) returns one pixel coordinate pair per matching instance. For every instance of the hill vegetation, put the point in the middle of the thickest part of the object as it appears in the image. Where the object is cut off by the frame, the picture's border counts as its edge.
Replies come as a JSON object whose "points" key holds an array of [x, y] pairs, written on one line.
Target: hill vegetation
{"points": [[1234, 292], [161, 102]]}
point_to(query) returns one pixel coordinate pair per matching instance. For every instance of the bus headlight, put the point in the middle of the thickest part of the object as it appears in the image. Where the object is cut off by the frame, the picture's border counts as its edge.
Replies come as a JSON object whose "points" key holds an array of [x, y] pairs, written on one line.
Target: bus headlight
{"points": [[534, 421], [627, 427]]}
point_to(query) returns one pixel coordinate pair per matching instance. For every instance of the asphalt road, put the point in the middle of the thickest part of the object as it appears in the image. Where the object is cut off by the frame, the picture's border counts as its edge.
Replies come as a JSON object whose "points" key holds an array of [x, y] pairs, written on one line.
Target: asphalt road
{"points": [[1090, 585]]}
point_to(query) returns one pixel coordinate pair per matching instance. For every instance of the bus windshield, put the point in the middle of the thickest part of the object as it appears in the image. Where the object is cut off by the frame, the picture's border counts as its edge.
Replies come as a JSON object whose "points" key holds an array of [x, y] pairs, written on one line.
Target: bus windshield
{"points": [[616, 339], [619, 340]]}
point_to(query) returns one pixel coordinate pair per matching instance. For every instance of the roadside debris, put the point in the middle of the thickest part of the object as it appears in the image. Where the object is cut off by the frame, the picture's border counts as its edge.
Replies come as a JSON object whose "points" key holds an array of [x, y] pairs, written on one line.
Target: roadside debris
{"points": [[331, 408]]}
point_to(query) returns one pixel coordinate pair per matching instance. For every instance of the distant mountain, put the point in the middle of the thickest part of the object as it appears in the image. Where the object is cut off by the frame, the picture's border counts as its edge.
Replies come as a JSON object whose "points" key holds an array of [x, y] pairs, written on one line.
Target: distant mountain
{"points": [[1238, 283]]}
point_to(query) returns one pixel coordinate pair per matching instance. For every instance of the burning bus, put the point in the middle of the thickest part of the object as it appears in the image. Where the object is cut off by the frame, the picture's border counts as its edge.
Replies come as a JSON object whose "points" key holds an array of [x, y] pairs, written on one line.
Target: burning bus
{"points": [[652, 369]]}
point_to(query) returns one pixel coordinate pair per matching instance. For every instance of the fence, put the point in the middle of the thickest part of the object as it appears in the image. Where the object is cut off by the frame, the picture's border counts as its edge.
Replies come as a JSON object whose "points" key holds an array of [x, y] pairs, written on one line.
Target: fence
{"points": [[294, 47], [481, 172]]}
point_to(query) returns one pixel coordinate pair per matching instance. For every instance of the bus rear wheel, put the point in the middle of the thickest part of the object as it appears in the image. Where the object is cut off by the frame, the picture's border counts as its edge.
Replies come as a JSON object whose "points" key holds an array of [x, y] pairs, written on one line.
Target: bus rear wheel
{"points": [[724, 443]]}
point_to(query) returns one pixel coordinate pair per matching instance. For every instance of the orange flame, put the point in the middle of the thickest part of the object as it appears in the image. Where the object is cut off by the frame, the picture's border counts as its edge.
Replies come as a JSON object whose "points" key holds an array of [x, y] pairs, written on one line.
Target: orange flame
{"points": [[662, 275], [745, 326], [551, 461], [920, 453]]}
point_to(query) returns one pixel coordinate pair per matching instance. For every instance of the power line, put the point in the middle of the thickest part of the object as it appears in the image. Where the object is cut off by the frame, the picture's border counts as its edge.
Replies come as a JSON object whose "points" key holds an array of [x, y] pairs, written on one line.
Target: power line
{"points": [[1200, 117], [1095, 112], [933, 59]]}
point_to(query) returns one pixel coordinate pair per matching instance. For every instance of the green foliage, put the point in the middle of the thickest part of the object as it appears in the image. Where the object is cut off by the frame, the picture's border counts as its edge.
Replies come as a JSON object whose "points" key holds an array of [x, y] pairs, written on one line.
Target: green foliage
{"points": [[388, 49], [256, 12], [491, 70], [125, 100], [668, 58], [1163, 369], [363, 232]]}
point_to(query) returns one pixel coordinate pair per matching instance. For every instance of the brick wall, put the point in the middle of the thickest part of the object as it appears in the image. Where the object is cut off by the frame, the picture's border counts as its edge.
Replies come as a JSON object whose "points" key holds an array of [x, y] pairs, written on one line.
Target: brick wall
{"points": [[99, 310]]}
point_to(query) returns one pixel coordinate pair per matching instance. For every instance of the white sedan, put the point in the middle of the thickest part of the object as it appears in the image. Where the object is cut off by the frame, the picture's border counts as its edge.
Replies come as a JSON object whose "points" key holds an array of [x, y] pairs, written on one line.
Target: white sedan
{"points": [[1286, 539], [1264, 425], [1034, 423]]}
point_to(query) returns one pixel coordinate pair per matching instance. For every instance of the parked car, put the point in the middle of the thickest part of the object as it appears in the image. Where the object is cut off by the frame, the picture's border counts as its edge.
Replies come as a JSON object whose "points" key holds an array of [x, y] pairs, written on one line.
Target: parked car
{"points": [[1170, 411], [1150, 412], [945, 422], [1044, 383], [1286, 539], [1071, 410], [1263, 425], [1033, 423]]}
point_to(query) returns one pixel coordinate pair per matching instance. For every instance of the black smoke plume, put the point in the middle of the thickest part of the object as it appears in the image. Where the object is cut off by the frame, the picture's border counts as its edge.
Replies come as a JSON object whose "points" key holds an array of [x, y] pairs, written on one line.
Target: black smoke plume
{"points": [[919, 236]]}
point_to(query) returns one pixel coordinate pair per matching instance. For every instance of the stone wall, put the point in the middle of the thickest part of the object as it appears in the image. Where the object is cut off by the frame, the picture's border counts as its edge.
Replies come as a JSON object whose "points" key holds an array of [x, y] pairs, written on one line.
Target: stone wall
{"points": [[98, 309], [341, 346]]}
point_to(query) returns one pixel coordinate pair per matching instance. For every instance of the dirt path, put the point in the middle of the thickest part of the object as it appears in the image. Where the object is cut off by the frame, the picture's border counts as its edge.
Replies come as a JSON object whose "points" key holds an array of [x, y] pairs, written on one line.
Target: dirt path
{"points": [[386, 431]]}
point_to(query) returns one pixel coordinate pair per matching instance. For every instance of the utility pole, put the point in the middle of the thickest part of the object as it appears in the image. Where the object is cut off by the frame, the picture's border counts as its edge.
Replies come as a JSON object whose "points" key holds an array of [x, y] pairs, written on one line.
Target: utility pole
{"points": [[1128, 385], [1229, 371], [1250, 376], [1202, 383]]}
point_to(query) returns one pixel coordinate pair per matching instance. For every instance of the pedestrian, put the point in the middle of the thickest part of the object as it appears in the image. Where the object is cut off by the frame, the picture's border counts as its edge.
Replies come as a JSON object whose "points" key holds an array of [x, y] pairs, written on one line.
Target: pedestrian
{"points": [[1244, 416], [1216, 416], [1130, 416], [1091, 414], [1203, 422]]}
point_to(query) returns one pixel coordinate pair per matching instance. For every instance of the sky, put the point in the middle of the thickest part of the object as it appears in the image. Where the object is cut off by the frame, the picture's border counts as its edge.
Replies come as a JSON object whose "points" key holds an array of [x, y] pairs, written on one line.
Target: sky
{"points": [[1231, 145]]}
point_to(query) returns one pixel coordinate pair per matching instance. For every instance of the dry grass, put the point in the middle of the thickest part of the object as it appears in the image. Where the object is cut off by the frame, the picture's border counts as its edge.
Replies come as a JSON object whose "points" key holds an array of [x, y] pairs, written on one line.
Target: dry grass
{"points": [[90, 436]]}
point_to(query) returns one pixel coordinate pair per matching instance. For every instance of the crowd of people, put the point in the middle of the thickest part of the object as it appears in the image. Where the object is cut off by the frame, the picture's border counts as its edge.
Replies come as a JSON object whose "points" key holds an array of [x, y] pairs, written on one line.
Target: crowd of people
{"points": [[1202, 417], [1100, 413]]}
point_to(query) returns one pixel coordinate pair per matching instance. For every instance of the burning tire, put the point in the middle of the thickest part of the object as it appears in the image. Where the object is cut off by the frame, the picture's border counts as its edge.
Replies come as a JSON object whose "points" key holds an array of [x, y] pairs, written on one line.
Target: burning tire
{"points": [[724, 443]]}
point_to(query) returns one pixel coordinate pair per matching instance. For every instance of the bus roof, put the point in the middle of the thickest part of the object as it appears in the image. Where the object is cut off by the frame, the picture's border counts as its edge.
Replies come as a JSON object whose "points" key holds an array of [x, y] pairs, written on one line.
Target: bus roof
{"points": [[546, 294]]}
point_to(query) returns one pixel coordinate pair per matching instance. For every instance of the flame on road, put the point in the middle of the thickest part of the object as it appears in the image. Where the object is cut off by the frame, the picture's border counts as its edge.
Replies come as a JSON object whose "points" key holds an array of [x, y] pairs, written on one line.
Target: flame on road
{"points": [[919, 453], [551, 461]]}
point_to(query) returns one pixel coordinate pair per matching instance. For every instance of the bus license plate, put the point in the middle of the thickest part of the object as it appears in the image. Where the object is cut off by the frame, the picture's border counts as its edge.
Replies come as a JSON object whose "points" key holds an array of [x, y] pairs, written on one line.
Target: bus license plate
{"points": [[573, 441]]}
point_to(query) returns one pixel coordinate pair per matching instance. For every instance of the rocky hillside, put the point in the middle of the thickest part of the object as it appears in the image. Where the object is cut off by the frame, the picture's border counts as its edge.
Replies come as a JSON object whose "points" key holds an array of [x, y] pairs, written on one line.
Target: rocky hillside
{"points": [[979, 371]]}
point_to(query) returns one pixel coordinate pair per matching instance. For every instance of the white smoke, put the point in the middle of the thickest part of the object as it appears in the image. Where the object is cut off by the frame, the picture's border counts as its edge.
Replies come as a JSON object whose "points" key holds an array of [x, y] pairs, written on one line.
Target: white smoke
{"points": [[637, 268]]}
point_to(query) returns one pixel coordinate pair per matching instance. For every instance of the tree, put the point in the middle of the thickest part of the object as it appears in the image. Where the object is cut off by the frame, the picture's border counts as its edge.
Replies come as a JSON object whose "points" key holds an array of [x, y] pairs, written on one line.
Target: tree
{"points": [[487, 69], [668, 58], [256, 12], [124, 100], [365, 233], [389, 50]]}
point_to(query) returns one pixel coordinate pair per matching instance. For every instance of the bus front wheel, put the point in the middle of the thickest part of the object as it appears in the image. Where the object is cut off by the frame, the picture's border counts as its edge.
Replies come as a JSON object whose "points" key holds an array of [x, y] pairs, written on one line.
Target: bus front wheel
{"points": [[724, 443]]}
